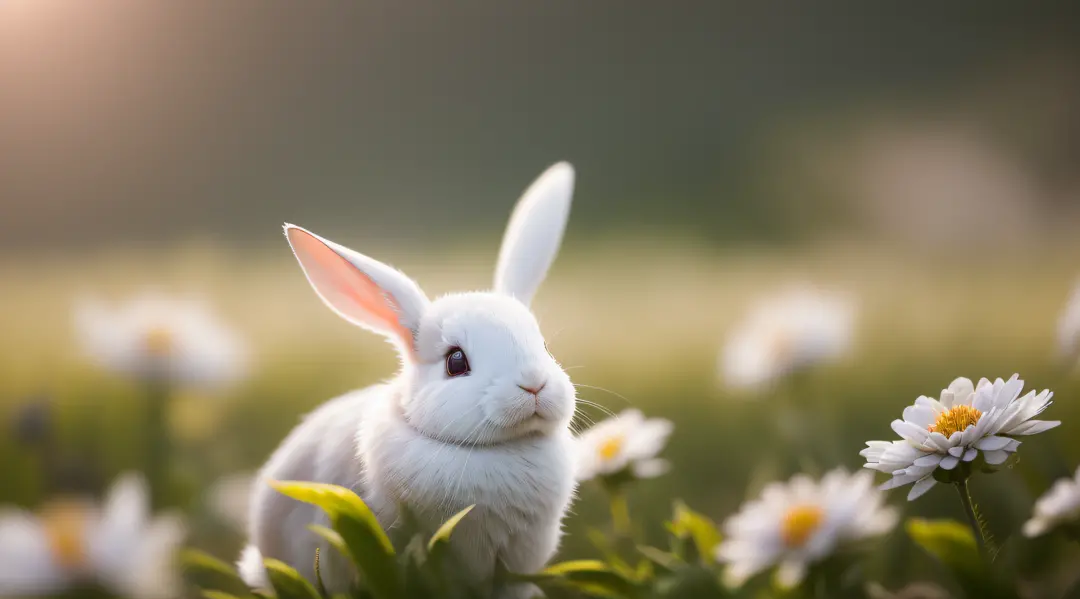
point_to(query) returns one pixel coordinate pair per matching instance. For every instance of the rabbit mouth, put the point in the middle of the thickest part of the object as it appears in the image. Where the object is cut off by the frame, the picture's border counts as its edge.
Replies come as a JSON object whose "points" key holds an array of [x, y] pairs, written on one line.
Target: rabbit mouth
{"points": [[531, 428]]}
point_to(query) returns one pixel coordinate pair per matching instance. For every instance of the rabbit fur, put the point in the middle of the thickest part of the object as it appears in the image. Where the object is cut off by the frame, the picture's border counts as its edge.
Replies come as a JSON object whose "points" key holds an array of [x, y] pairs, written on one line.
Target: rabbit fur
{"points": [[497, 437]]}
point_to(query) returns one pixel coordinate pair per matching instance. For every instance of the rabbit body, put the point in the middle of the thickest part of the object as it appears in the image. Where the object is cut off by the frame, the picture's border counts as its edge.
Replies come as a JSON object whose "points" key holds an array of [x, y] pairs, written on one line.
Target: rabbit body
{"points": [[478, 415], [521, 489]]}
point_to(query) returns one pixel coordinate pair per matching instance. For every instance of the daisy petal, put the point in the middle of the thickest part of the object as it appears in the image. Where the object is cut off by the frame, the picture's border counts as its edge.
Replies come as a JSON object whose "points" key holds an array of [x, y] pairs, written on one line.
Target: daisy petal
{"points": [[1033, 427], [921, 487], [790, 573], [910, 431], [929, 460], [992, 443]]}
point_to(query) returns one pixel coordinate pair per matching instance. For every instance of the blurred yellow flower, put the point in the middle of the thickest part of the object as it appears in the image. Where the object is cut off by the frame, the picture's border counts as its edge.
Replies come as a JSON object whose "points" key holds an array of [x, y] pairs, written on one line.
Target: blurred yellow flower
{"points": [[156, 338], [793, 330], [796, 524], [627, 441], [71, 543]]}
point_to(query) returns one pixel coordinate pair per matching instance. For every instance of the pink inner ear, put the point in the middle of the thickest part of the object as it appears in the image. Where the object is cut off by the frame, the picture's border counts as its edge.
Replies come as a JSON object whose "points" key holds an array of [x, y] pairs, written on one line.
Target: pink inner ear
{"points": [[346, 288]]}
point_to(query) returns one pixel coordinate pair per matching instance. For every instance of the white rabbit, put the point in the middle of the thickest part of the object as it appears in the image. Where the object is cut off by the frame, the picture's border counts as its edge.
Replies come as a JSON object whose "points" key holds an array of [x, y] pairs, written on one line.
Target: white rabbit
{"points": [[478, 414]]}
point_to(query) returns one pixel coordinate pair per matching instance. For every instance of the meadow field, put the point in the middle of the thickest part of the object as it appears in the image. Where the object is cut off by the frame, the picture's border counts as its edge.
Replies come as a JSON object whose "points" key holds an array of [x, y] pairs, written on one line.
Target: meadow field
{"points": [[636, 322]]}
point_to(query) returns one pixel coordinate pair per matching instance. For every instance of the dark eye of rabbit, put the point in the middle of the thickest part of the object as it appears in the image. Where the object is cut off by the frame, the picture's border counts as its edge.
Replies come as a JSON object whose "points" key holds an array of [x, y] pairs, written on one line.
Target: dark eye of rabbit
{"points": [[456, 362]]}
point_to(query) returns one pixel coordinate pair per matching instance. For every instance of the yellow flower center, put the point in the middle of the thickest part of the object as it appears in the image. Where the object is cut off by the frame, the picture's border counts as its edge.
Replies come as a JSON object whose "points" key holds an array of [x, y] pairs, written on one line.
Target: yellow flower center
{"points": [[956, 418], [799, 523], [65, 523], [158, 341], [610, 448]]}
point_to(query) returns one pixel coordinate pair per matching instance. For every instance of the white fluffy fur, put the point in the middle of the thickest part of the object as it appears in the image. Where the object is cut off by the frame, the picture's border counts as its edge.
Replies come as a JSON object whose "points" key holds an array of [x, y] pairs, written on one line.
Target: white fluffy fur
{"points": [[251, 568], [431, 442]]}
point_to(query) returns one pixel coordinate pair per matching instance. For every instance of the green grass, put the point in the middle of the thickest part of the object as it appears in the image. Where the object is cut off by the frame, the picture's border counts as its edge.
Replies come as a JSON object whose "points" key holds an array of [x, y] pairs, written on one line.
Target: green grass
{"points": [[642, 320]]}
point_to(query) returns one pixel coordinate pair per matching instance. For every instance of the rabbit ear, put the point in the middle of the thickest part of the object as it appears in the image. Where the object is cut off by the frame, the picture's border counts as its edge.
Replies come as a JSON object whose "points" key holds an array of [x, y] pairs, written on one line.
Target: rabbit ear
{"points": [[534, 233], [361, 290]]}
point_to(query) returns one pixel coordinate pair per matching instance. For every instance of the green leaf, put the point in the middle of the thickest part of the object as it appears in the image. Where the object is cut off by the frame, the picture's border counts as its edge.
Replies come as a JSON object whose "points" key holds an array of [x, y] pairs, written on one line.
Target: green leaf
{"points": [[950, 542], [694, 581], [667, 561], [591, 576], [644, 571], [443, 534], [368, 546], [198, 560], [336, 501], [210, 594], [688, 523], [287, 582], [331, 536], [208, 571], [954, 545], [604, 546], [581, 565]]}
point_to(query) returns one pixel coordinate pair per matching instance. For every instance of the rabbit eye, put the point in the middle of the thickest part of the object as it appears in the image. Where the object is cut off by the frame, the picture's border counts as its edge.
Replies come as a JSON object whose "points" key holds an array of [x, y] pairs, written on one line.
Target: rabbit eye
{"points": [[456, 362]]}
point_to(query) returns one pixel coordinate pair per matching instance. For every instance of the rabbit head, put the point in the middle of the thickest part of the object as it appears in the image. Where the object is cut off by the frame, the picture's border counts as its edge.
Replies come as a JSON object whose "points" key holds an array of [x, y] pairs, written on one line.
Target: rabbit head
{"points": [[475, 369]]}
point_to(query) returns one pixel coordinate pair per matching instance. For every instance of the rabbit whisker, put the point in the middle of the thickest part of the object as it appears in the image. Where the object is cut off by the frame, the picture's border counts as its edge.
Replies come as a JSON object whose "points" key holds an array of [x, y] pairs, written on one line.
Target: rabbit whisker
{"points": [[578, 412], [619, 395], [600, 407]]}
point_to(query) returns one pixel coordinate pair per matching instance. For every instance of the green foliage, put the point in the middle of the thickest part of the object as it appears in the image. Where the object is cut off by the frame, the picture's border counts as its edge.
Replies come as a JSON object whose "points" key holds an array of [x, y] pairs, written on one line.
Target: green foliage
{"points": [[425, 566], [208, 571], [442, 536], [688, 525], [592, 577], [287, 582], [210, 594], [331, 536], [954, 546], [365, 541]]}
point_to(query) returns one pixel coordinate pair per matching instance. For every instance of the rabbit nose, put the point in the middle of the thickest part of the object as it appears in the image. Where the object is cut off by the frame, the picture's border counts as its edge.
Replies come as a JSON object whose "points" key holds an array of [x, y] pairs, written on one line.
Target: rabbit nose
{"points": [[534, 389]]}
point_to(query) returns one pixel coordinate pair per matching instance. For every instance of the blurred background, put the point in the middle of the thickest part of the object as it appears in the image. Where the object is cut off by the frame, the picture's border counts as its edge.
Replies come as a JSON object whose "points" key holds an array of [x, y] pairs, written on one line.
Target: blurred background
{"points": [[920, 160]]}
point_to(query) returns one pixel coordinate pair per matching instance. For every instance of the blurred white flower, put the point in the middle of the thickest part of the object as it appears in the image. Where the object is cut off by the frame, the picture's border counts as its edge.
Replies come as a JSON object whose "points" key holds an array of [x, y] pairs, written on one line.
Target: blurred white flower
{"points": [[1069, 327], [801, 522], [1060, 505], [158, 338], [796, 329], [71, 542], [951, 432], [229, 498], [627, 441]]}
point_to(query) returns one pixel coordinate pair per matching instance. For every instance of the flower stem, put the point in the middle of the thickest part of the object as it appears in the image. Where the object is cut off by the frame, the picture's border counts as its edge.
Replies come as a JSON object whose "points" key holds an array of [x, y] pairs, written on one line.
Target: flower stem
{"points": [[973, 520], [157, 442], [620, 513]]}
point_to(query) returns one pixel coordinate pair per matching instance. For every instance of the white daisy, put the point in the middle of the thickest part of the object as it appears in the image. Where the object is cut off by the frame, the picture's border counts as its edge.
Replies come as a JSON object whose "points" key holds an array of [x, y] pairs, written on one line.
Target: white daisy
{"points": [[801, 522], [626, 442], [158, 338], [951, 431], [71, 543], [1060, 505], [794, 330], [1069, 327]]}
